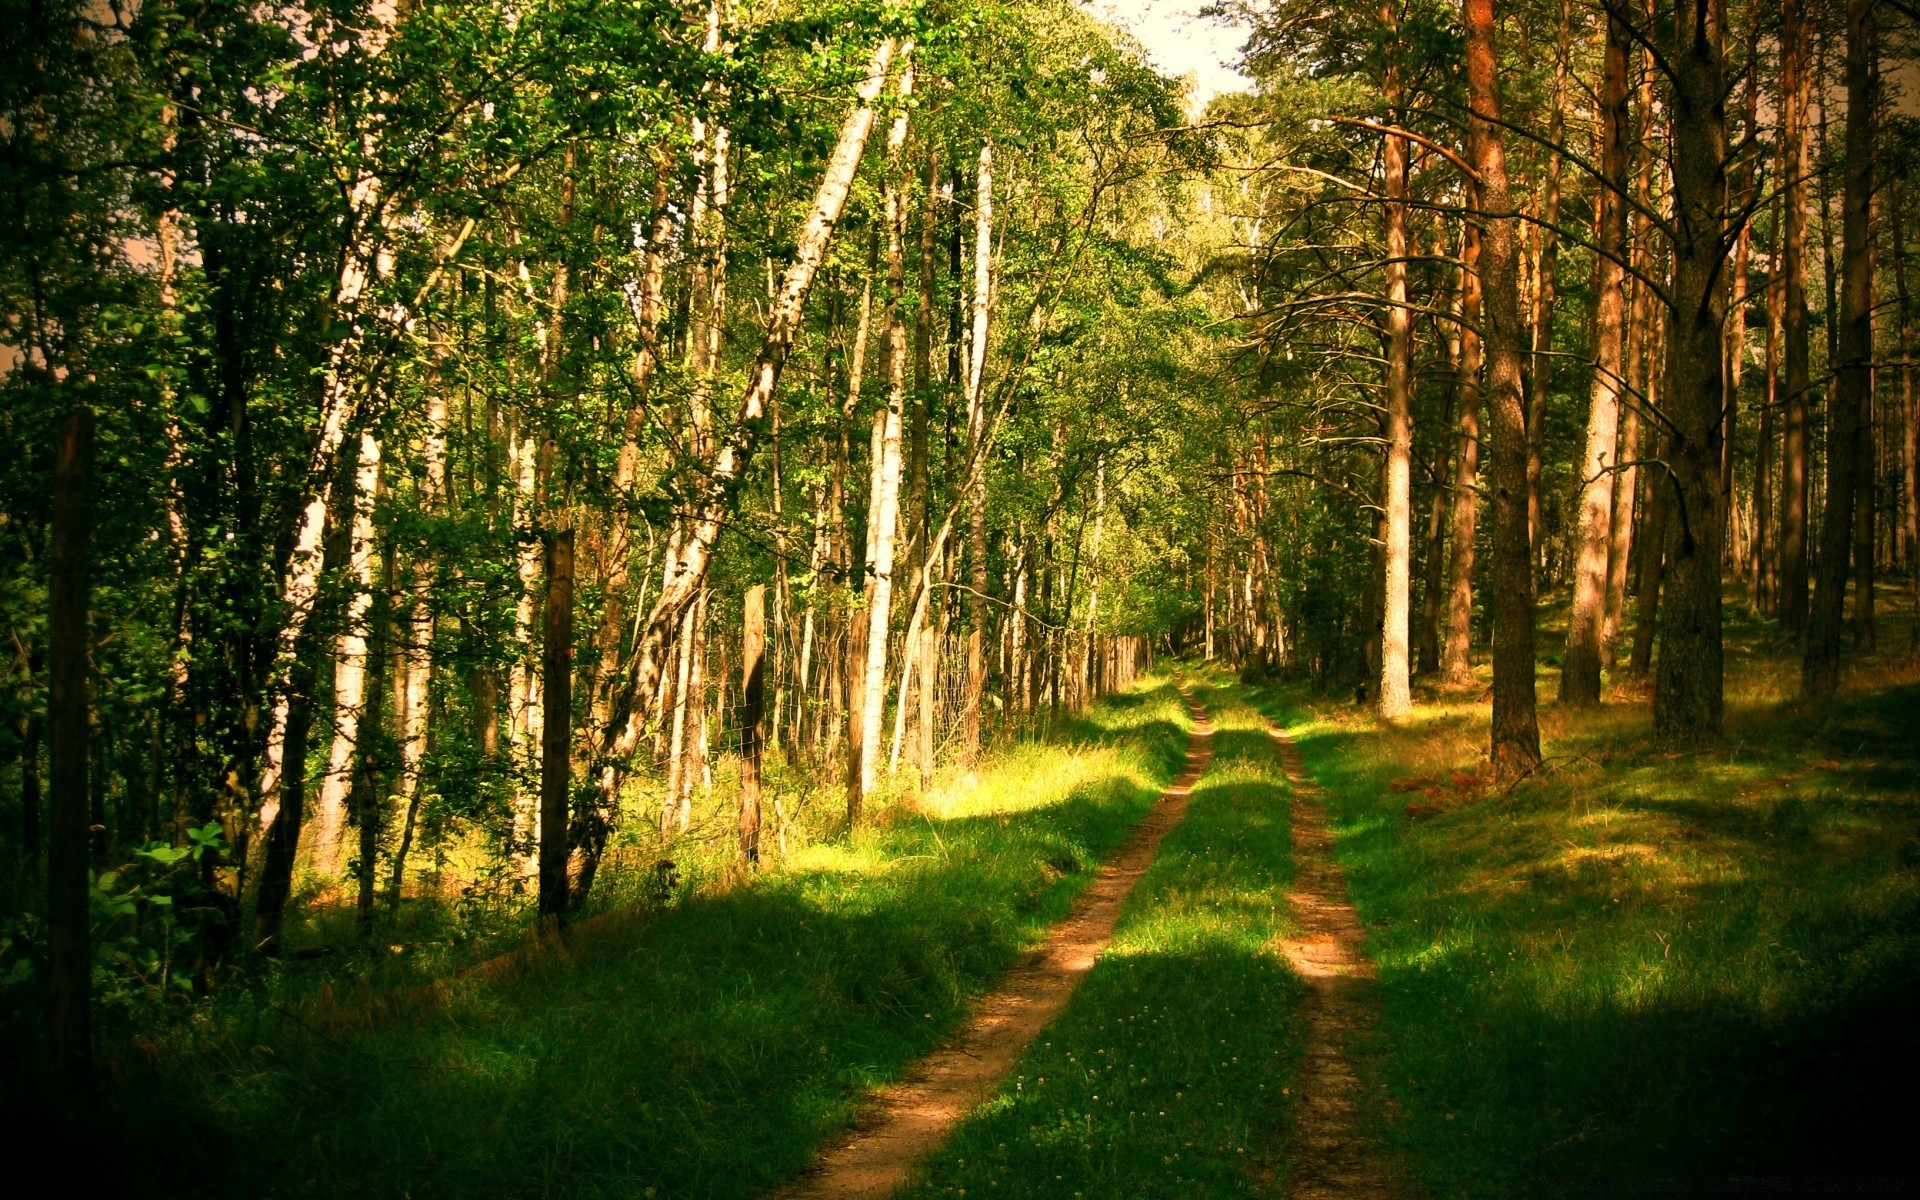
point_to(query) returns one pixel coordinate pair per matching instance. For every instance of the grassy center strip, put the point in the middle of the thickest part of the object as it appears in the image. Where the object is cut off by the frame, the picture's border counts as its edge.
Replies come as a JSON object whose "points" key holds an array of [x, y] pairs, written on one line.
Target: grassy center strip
{"points": [[1169, 1074], [703, 1050]]}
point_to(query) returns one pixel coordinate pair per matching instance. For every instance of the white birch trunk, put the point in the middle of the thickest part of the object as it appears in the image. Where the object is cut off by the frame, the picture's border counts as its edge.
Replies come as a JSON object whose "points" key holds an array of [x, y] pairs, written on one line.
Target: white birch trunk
{"points": [[350, 673]]}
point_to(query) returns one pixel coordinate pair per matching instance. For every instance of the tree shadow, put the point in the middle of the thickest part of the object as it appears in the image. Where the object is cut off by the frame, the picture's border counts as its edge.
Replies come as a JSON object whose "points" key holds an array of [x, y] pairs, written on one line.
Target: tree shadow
{"points": [[1666, 968]]}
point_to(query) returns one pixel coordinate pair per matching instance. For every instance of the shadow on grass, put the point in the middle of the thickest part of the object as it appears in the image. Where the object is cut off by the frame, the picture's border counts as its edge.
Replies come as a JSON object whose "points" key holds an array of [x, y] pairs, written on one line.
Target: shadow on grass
{"points": [[1651, 965], [704, 1051]]}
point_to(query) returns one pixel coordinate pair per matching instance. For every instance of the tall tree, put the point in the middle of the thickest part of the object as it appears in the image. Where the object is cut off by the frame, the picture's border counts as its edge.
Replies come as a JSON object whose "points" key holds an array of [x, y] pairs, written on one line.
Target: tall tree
{"points": [[1516, 730], [1396, 699], [1853, 372], [1580, 670], [1688, 683], [1795, 89]]}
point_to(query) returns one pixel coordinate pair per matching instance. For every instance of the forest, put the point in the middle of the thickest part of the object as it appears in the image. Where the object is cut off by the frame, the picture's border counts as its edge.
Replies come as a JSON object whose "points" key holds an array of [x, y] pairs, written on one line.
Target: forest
{"points": [[865, 598]]}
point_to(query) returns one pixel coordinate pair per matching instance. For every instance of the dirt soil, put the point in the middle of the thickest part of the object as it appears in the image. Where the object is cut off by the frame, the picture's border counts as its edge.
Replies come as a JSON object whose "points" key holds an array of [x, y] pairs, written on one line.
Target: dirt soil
{"points": [[1332, 1154]]}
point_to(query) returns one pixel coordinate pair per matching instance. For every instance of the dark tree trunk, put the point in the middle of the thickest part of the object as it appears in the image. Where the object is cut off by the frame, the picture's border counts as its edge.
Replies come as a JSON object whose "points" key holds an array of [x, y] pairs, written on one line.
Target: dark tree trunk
{"points": [[1792, 598], [753, 647], [1688, 682], [69, 950], [283, 836], [556, 729], [1853, 376], [1456, 661], [1516, 731]]}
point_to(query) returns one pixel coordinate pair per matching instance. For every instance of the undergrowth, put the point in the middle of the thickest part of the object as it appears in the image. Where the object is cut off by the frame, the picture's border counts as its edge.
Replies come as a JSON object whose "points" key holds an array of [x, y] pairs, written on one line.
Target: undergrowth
{"points": [[702, 1048]]}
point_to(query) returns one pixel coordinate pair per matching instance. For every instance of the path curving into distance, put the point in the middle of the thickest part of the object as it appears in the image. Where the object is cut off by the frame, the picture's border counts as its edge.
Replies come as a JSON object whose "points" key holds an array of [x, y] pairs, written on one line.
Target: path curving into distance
{"points": [[913, 1117], [1331, 1156]]}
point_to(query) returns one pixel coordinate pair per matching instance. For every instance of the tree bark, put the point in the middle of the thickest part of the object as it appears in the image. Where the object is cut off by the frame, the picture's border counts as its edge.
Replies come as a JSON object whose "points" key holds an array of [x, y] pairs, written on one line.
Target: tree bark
{"points": [[753, 690], [1396, 696], [1794, 87], [1688, 684], [69, 596], [1853, 376], [1545, 291], [976, 429], [556, 734], [1456, 662], [1516, 732], [884, 514], [1586, 626], [350, 704], [1910, 413]]}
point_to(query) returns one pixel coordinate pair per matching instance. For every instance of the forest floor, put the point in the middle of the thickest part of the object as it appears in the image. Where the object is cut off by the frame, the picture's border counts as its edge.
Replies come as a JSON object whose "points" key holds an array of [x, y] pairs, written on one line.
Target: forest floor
{"points": [[1640, 970]]}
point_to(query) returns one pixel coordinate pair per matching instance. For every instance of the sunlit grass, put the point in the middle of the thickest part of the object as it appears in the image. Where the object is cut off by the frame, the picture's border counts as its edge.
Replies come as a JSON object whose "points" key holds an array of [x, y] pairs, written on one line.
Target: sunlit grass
{"points": [[1170, 1073], [1640, 962], [700, 1049]]}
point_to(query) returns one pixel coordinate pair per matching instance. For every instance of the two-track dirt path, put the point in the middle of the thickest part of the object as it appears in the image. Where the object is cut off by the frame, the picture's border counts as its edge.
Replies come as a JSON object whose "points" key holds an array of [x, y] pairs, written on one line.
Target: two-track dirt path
{"points": [[908, 1120], [1332, 1156]]}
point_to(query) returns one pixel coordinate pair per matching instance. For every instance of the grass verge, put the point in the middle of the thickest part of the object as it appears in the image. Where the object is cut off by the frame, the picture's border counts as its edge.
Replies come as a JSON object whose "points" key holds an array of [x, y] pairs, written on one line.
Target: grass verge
{"points": [[699, 1051], [1168, 1075], [1639, 966]]}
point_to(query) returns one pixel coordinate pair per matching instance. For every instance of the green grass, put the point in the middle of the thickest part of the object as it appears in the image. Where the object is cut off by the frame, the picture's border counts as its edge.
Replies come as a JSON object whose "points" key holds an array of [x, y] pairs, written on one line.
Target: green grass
{"points": [[1168, 1075], [704, 1050], [1640, 963]]}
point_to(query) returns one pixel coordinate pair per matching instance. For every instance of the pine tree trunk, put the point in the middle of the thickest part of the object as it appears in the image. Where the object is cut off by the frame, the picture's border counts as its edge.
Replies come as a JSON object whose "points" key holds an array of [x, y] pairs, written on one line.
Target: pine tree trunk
{"points": [[1516, 733], [1853, 378], [1545, 291], [1456, 661], [1910, 413], [1396, 698], [1794, 86], [1586, 625], [1688, 684]]}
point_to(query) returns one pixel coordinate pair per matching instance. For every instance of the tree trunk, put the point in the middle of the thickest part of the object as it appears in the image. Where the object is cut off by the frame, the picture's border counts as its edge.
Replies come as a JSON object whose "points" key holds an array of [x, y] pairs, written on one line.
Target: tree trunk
{"points": [[976, 430], [1688, 682], [350, 704], [556, 734], [1586, 626], [753, 690], [1853, 376], [1545, 291], [884, 513], [1910, 413], [366, 799], [1516, 732], [415, 683], [69, 596], [1794, 87], [1456, 662], [1396, 697], [1765, 543]]}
